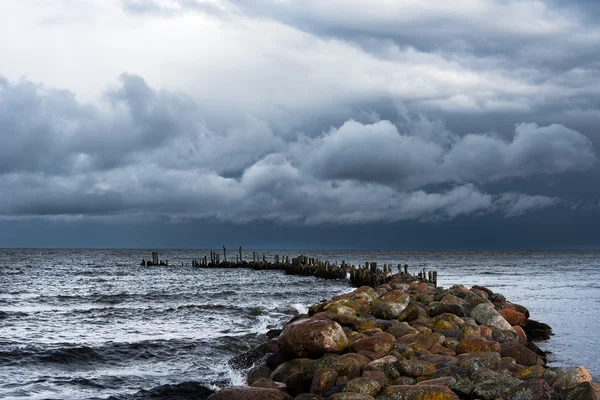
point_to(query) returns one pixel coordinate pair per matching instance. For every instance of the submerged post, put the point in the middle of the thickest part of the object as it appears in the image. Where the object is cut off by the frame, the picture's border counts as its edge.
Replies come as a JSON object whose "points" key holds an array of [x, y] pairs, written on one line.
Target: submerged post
{"points": [[224, 254], [240, 250]]}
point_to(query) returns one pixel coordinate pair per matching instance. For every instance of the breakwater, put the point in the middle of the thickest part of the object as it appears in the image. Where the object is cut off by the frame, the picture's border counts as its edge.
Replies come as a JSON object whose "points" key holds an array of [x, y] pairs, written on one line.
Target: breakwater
{"points": [[408, 339]]}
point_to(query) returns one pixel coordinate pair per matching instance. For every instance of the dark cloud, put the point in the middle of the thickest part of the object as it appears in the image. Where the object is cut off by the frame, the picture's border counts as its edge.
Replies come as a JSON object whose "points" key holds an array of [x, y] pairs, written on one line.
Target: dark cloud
{"points": [[149, 152]]}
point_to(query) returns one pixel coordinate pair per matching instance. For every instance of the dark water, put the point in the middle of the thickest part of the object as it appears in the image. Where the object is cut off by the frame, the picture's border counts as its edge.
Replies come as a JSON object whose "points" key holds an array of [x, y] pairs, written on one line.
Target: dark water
{"points": [[92, 323]]}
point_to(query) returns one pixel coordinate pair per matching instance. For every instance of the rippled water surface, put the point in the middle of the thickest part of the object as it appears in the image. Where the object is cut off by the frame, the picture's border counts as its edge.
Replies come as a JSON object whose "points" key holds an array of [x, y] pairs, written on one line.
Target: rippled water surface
{"points": [[93, 323]]}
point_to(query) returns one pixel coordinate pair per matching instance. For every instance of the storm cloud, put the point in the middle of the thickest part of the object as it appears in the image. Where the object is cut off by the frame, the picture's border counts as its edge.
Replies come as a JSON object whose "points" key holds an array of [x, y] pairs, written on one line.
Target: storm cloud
{"points": [[298, 113]]}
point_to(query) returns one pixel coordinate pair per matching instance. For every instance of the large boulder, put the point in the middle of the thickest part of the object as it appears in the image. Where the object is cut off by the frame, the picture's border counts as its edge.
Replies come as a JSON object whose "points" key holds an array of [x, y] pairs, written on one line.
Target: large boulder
{"points": [[531, 389], [571, 378], [250, 393], [379, 343], [363, 386], [521, 354], [486, 314], [389, 310], [312, 338], [490, 385]]}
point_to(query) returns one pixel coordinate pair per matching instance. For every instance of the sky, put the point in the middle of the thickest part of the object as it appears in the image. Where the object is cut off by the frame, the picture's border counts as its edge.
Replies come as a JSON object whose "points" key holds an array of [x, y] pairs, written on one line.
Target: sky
{"points": [[401, 124]]}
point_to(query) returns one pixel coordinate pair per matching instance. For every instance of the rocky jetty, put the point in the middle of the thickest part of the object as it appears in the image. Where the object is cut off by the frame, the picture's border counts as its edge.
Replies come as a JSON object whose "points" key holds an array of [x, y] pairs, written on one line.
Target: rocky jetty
{"points": [[407, 339]]}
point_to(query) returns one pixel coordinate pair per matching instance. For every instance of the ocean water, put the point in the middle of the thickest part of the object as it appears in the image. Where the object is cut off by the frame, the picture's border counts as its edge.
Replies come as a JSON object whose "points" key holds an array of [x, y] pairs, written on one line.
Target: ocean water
{"points": [[82, 324]]}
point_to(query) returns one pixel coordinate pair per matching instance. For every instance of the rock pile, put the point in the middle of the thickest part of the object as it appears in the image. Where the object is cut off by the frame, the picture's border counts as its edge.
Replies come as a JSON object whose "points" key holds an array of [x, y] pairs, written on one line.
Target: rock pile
{"points": [[408, 340]]}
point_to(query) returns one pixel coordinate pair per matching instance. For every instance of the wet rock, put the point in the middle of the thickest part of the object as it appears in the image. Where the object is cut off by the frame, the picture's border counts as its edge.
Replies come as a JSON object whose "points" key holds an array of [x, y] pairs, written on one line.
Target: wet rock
{"points": [[312, 338], [258, 372], [571, 378], [290, 368], [274, 360], [490, 385], [521, 354], [418, 392], [363, 386], [537, 330], [582, 391], [323, 380], [184, 390], [250, 393], [532, 389], [486, 314], [269, 384], [379, 343]]}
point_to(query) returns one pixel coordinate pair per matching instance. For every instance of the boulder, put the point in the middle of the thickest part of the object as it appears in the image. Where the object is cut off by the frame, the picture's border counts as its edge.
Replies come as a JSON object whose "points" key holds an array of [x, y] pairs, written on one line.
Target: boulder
{"points": [[350, 396], [477, 345], [571, 378], [289, 368], [582, 391], [537, 330], [513, 317], [250, 393], [323, 380], [472, 361], [486, 314], [379, 343], [389, 310], [521, 354], [421, 340], [414, 368], [363, 386], [258, 372], [269, 384], [531, 389], [418, 392], [312, 338], [490, 385]]}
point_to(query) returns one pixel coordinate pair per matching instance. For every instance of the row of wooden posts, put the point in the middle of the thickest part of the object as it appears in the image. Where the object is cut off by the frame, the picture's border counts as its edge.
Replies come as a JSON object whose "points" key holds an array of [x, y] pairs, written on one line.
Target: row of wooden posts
{"points": [[367, 274]]}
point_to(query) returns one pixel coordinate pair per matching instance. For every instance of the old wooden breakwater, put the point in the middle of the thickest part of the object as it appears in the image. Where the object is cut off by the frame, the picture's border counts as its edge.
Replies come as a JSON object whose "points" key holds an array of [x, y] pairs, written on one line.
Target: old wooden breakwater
{"points": [[367, 274]]}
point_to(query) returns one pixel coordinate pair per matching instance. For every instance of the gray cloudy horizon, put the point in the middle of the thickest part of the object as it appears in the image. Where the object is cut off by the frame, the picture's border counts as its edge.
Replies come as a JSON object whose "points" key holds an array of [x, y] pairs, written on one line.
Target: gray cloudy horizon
{"points": [[299, 114]]}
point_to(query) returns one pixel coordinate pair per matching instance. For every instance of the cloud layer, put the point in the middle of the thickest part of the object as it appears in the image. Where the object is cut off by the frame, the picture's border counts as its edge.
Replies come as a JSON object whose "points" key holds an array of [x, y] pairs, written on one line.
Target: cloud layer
{"points": [[149, 152]]}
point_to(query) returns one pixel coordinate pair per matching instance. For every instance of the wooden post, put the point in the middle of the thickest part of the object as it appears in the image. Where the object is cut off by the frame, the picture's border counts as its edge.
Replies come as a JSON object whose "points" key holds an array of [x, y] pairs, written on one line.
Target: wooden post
{"points": [[224, 254], [240, 250], [406, 268], [253, 256]]}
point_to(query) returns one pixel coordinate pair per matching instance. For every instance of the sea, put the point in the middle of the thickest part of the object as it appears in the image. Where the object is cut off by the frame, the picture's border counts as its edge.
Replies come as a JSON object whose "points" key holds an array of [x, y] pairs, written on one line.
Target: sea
{"points": [[95, 324]]}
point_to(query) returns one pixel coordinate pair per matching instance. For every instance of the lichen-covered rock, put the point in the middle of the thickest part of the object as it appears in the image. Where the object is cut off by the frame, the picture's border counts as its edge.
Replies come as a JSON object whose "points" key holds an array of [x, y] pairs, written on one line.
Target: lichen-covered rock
{"points": [[414, 368], [582, 391], [571, 378], [418, 392], [250, 393], [513, 317], [534, 371], [312, 338], [490, 385], [323, 380], [363, 386], [378, 376], [350, 396], [379, 343], [389, 310], [380, 364], [403, 328], [421, 340], [477, 345], [486, 314], [521, 354], [449, 381], [531, 389], [470, 361]]}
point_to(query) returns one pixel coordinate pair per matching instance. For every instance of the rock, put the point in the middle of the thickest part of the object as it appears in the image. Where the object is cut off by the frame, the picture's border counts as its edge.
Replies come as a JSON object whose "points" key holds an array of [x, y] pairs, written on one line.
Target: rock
{"points": [[250, 393], [289, 368], [378, 376], [274, 360], [571, 378], [363, 386], [380, 364], [550, 375], [379, 343], [448, 371], [535, 372], [443, 381], [258, 372], [350, 367], [350, 396], [537, 330], [490, 385], [414, 368], [513, 317], [449, 308], [323, 380], [522, 336], [421, 340], [403, 328], [269, 384], [477, 345], [183, 390], [582, 391], [486, 314], [418, 392], [388, 310], [308, 396], [531, 389], [312, 338], [488, 360], [451, 318], [521, 354]]}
